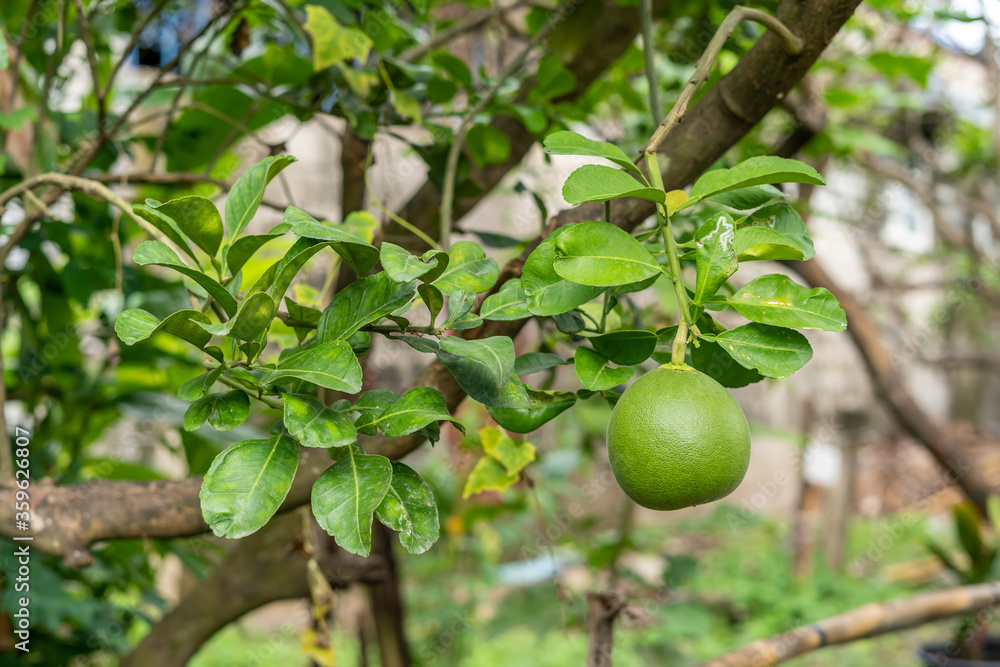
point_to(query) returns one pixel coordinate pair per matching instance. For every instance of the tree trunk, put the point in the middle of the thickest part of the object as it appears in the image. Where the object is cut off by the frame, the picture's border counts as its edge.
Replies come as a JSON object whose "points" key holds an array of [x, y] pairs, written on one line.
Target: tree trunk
{"points": [[387, 604], [602, 610]]}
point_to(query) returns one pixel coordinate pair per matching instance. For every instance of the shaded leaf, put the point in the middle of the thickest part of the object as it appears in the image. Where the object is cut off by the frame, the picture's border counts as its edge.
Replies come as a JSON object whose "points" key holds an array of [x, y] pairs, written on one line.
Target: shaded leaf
{"points": [[160, 254], [545, 406], [346, 495], [134, 325], [245, 247], [359, 254], [714, 361], [533, 362], [253, 318], [432, 298], [745, 199], [760, 243], [487, 145], [409, 508], [595, 371], [224, 412], [414, 410], [484, 369], [246, 485], [626, 348]]}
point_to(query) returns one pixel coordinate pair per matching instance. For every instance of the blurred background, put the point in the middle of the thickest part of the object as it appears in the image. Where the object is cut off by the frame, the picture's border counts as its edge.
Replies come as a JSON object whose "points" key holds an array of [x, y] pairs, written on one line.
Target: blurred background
{"points": [[844, 503]]}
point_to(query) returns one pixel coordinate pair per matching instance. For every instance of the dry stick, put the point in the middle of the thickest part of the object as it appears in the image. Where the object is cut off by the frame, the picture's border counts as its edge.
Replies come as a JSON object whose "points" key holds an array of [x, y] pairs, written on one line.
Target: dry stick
{"points": [[871, 620], [65, 182], [602, 610], [739, 13], [451, 167]]}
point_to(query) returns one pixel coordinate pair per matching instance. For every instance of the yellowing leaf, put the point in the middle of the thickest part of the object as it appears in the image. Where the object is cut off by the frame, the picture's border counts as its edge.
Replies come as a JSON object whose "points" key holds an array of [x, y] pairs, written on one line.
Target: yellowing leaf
{"points": [[488, 475], [332, 42], [675, 199], [513, 455]]}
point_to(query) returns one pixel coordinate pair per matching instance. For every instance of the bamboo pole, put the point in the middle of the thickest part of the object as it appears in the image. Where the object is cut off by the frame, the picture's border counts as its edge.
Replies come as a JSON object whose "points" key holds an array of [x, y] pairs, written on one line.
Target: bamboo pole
{"points": [[871, 620]]}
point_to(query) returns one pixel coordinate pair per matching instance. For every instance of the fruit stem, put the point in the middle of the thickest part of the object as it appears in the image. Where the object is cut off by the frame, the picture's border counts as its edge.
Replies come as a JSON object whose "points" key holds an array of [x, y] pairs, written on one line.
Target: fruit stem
{"points": [[670, 244], [680, 343]]}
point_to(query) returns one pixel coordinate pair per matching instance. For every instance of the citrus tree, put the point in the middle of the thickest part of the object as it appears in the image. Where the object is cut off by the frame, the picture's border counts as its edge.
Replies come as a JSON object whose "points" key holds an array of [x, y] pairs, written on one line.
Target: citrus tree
{"points": [[184, 295]]}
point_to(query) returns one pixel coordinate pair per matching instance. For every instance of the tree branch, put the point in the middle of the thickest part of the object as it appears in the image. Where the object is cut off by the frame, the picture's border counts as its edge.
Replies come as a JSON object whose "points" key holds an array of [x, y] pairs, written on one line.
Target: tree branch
{"points": [[871, 620], [890, 385]]}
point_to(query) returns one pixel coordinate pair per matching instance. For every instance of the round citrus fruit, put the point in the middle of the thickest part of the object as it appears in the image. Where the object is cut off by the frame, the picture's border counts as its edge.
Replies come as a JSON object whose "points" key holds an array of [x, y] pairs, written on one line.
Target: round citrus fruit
{"points": [[677, 438]]}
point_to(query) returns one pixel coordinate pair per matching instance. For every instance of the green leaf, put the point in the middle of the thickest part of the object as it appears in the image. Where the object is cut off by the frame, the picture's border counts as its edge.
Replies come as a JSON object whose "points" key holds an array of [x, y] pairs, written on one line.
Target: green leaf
{"points": [[760, 243], [487, 145], [785, 220], [358, 253], [361, 303], [714, 361], [199, 385], [134, 325], [545, 406], [224, 412], [165, 224], [409, 509], [510, 303], [369, 406], [253, 318], [301, 313], [333, 43], [745, 199], [317, 425], [533, 362], [571, 143], [548, 292], [775, 299], [329, 364], [247, 192], [488, 475], [484, 369], [460, 302], [246, 247], [715, 256], [432, 298], [345, 496], [512, 454], [595, 371], [468, 268], [600, 254], [413, 411], [401, 265], [755, 171], [454, 66], [773, 351], [197, 218], [246, 485], [160, 254], [596, 182], [626, 348]]}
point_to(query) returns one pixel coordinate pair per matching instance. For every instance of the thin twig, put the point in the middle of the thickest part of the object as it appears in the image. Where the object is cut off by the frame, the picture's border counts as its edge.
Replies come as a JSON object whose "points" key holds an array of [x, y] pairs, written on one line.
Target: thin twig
{"points": [[792, 44], [133, 40], [467, 23], [65, 182], [88, 42], [405, 224], [649, 53], [451, 166]]}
